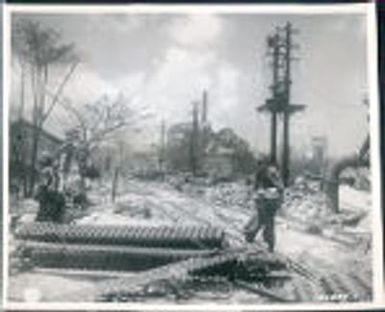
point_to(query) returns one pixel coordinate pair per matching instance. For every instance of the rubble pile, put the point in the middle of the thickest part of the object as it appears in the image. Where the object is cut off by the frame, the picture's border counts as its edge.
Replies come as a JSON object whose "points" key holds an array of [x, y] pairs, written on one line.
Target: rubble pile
{"points": [[156, 272], [225, 194], [232, 194], [307, 207], [310, 212], [202, 276]]}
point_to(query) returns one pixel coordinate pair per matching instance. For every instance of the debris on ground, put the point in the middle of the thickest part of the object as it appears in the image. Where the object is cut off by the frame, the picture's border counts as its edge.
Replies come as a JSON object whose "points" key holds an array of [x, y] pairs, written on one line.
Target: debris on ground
{"points": [[229, 207]]}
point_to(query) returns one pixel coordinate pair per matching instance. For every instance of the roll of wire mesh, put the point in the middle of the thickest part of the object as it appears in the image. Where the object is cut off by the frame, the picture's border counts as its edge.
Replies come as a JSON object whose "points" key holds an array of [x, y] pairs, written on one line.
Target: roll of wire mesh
{"points": [[103, 257], [181, 237]]}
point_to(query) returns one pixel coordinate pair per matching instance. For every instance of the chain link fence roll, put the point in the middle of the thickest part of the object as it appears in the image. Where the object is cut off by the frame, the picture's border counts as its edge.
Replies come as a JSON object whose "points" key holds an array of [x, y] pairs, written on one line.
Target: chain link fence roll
{"points": [[102, 257], [180, 237]]}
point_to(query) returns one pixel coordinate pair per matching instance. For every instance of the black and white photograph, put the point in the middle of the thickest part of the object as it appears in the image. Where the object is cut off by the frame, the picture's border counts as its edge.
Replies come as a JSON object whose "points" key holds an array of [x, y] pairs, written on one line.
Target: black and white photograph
{"points": [[219, 156]]}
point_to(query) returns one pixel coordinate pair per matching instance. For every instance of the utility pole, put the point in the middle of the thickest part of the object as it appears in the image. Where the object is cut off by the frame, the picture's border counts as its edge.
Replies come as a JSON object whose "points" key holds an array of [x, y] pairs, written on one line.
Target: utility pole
{"points": [[117, 169], [204, 107], [280, 47], [272, 104], [274, 111], [162, 144], [204, 127], [21, 135], [194, 139], [286, 113], [22, 92], [288, 109]]}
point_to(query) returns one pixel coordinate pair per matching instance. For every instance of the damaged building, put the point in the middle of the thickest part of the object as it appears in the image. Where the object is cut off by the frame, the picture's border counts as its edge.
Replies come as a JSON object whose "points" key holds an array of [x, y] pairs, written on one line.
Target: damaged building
{"points": [[219, 154]]}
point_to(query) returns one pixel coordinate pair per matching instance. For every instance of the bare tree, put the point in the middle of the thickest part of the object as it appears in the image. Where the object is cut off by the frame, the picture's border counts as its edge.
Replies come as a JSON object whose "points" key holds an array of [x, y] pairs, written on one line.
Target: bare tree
{"points": [[39, 49], [100, 121]]}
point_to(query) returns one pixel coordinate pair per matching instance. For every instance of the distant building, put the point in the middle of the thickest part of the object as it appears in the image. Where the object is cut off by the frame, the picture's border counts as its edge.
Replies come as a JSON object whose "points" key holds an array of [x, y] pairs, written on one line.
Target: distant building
{"points": [[319, 146], [219, 161], [222, 154], [144, 163], [195, 147], [21, 133], [20, 149], [178, 145], [178, 133]]}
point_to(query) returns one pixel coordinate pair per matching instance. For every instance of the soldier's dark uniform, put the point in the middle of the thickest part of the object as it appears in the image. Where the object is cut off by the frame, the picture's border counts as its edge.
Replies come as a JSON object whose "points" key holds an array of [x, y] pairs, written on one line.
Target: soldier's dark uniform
{"points": [[74, 153], [51, 202], [268, 198]]}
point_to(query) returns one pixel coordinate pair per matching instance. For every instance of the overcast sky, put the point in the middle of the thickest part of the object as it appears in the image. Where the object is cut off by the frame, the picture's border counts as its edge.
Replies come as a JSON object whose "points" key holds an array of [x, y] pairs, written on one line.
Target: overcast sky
{"points": [[163, 62]]}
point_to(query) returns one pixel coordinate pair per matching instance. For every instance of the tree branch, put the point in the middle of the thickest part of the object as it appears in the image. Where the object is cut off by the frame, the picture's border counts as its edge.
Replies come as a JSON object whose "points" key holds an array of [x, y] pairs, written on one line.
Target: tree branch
{"points": [[59, 91]]}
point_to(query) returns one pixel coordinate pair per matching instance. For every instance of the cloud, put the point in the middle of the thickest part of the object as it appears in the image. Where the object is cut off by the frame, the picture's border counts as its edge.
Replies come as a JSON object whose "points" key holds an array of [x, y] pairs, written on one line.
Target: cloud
{"points": [[225, 96], [165, 61], [87, 86], [177, 81], [195, 30], [131, 85], [180, 80]]}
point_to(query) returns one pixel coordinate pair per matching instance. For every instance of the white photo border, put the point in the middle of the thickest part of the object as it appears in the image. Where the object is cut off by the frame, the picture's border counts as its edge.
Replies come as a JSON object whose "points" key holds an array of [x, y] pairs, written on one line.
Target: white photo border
{"points": [[368, 9]]}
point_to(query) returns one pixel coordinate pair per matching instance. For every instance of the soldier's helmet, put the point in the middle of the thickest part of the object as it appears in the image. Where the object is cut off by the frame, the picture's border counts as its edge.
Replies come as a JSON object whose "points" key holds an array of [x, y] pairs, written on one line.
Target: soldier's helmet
{"points": [[45, 159]]}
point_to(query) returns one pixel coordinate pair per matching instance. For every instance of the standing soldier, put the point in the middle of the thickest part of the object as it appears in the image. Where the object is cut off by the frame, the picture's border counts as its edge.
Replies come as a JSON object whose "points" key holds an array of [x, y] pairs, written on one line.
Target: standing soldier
{"points": [[73, 157], [268, 190], [65, 156], [51, 201]]}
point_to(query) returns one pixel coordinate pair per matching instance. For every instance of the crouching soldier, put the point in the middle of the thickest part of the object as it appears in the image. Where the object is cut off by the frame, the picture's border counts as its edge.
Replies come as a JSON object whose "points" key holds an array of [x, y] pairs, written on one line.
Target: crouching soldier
{"points": [[51, 201], [268, 193]]}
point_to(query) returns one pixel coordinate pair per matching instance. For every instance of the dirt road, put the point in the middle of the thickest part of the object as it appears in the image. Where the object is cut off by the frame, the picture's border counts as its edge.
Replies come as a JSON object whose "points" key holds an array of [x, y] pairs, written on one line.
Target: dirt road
{"points": [[345, 269], [343, 272]]}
